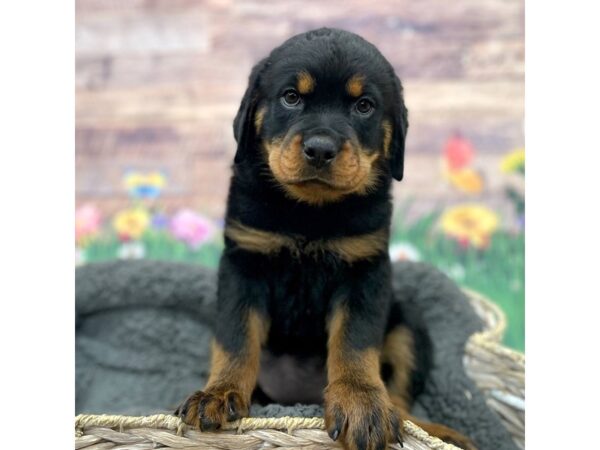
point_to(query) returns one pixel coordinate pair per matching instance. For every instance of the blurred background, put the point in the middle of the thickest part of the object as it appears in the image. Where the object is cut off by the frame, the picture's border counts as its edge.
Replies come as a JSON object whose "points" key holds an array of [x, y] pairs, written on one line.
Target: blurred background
{"points": [[158, 83]]}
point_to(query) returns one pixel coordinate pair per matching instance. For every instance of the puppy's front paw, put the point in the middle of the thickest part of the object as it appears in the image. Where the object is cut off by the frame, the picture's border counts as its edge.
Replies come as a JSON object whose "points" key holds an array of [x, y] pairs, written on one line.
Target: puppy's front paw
{"points": [[209, 410], [361, 416]]}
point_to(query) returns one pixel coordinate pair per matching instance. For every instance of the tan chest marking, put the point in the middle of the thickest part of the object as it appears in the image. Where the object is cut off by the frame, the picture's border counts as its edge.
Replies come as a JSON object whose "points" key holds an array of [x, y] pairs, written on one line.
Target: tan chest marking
{"points": [[349, 248], [255, 240]]}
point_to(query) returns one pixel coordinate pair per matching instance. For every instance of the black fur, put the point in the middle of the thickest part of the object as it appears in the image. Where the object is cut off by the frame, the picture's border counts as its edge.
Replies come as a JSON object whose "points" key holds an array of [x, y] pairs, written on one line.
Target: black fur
{"points": [[297, 292]]}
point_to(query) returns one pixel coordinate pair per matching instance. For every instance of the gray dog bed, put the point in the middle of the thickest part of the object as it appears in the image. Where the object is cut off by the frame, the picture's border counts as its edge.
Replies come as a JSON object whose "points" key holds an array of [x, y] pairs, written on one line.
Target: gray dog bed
{"points": [[143, 330]]}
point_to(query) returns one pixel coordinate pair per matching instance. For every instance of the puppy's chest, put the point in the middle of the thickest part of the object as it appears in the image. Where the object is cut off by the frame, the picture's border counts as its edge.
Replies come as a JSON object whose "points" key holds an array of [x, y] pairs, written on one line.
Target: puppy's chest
{"points": [[303, 274], [300, 295]]}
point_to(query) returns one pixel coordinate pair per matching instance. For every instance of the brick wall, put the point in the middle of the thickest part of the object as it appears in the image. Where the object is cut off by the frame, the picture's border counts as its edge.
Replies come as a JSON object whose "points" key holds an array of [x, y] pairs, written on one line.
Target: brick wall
{"points": [[158, 83]]}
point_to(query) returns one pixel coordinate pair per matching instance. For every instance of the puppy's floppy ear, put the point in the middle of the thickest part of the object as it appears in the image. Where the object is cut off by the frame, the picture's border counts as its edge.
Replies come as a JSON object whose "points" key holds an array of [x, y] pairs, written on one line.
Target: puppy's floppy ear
{"points": [[243, 124], [399, 133]]}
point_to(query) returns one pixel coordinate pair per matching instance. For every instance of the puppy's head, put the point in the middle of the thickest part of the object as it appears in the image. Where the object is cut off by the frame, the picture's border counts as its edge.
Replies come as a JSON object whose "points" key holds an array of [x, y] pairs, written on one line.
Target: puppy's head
{"points": [[325, 112]]}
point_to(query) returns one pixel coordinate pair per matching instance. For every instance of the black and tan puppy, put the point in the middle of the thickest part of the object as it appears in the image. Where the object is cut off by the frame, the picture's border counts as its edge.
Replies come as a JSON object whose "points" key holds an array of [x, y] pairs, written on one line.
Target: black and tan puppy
{"points": [[304, 295]]}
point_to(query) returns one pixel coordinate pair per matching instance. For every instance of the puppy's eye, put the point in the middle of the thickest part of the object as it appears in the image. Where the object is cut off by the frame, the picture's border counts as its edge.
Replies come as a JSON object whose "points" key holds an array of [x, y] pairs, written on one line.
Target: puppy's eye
{"points": [[364, 106], [290, 98]]}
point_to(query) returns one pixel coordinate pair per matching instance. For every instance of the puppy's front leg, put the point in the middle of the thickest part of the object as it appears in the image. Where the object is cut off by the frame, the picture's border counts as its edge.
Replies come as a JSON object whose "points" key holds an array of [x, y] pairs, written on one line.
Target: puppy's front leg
{"points": [[240, 331], [358, 410]]}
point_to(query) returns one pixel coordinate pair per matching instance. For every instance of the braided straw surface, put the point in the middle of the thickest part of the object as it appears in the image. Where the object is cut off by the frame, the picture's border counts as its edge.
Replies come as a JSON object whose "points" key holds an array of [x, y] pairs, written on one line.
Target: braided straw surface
{"points": [[497, 371]]}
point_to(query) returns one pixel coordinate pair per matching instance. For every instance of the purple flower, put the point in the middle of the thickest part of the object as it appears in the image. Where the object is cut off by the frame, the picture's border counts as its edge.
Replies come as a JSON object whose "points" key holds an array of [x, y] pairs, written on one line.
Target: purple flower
{"points": [[191, 228], [160, 221]]}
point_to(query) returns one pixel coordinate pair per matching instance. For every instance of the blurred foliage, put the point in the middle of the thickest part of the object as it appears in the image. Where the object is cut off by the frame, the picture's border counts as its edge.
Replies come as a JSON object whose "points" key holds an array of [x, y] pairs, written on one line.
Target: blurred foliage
{"points": [[497, 271]]}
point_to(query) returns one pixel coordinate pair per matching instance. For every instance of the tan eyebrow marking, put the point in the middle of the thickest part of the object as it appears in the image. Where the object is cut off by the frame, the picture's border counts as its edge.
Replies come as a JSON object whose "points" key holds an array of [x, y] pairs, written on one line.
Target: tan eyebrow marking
{"points": [[306, 82], [355, 85]]}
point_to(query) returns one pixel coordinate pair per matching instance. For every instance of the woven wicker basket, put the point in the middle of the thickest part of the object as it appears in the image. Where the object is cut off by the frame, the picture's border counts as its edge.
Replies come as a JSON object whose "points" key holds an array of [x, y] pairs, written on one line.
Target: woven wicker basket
{"points": [[497, 371]]}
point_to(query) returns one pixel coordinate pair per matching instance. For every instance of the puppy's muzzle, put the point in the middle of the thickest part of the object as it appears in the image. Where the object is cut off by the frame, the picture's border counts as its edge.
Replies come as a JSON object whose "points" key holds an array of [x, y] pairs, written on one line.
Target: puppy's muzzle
{"points": [[320, 150]]}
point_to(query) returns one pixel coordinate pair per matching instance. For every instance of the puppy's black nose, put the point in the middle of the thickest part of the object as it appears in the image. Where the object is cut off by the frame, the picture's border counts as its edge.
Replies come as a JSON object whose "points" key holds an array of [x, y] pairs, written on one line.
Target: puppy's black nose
{"points": [[320, 150]]}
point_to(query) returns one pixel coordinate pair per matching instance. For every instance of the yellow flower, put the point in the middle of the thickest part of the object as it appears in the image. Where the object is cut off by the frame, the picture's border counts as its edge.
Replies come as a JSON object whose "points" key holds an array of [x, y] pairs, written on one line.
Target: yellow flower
{"points": [[467, 180], [470, 224], [131, 223], [513, 161]]}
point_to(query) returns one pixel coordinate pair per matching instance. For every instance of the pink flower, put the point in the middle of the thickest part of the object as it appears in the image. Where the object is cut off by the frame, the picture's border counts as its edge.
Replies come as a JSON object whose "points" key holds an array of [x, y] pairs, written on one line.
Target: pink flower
{"points": [[87, 223], [191, 228]]}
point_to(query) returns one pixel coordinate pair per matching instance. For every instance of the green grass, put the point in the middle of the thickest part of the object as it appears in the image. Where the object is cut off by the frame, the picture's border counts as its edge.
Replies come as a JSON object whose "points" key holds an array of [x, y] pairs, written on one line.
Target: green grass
{"points": [[497, 272], [159, 245]]}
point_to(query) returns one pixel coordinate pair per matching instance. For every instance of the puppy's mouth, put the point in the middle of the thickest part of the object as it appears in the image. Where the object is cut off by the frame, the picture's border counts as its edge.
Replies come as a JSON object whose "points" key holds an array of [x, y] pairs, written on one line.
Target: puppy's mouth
{"points": [[352, 171], [315, 181]]}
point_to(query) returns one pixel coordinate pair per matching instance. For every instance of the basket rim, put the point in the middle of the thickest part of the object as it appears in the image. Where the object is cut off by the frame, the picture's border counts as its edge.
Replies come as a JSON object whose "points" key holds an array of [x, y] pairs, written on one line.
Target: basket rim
{"points": [[289, 424], [495, 325]]}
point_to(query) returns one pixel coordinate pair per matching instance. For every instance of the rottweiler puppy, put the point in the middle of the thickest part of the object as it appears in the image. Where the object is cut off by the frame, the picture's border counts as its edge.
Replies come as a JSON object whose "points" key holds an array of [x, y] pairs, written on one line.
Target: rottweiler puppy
{"points": [[304, 285]]}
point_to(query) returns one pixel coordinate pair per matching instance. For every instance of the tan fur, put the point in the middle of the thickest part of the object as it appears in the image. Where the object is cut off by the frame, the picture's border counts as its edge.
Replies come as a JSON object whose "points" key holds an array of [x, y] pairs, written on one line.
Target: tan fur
{"points": [[255, 240], [231, 382], [354, 248], [285, 158], [306, 83], [313, 193], [240, 371], [355, 386], [355, 85], [335, 344], [352, 172], [349, 248], [213, 409], [355, 391], [398, 351], [438, 430], [345, 363], [259, 118], [387, 137]]}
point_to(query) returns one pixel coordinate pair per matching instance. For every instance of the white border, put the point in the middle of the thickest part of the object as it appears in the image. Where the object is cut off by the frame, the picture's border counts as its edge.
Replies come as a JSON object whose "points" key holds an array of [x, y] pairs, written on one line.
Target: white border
{"points": [[37, 200], [563, 226]]}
